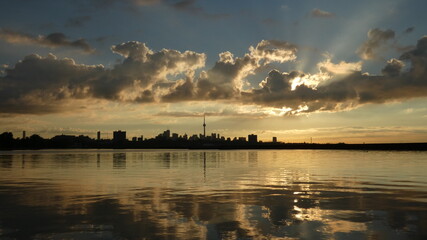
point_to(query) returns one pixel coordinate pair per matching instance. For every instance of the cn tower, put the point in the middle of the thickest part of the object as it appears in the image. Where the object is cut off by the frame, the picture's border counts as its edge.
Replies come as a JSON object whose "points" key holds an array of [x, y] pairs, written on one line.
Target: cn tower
{"points": [[204, 125]]}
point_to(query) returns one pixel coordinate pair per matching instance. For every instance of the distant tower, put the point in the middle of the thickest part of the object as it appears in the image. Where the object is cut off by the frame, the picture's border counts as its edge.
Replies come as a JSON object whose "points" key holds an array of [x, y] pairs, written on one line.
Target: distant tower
{"points": [[98, 135], [204, 125], [23, 134]]}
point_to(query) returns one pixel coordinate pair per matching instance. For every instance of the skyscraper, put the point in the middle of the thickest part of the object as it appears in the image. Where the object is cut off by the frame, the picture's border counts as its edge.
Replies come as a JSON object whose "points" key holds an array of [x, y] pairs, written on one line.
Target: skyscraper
{"points": [[167, 134], [252, 138], [119, 135]]}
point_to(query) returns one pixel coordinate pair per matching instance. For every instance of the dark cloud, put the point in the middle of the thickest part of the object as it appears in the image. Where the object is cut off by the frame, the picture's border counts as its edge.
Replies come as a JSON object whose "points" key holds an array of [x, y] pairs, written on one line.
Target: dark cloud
{"points": [[52, 40], [77, 21], [189, 6], [317, 13], [403, 49], [393, 68], [59, 39], [47, 84], [182, 90], [102, 39], [376, 39], [418, 52], [43, 85], [96, 4], [409, 29]]}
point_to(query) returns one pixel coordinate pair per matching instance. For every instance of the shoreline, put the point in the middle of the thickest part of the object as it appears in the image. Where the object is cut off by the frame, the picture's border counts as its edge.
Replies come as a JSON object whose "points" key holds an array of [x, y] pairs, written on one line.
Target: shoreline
{"points": [[248, 146]]}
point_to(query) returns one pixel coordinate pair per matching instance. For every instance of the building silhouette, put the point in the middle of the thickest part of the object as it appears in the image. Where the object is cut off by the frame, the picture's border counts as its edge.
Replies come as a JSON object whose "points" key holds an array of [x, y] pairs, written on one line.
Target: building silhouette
{"points": [[119, 135], [98, 135], [204, 125], [167, 134], [252, 138], [175, 136], [174, 140]]}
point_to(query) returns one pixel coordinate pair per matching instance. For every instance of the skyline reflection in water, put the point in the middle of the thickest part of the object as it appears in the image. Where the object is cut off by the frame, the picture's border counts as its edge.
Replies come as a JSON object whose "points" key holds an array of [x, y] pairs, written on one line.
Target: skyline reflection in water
{"points": [[165, 194]]}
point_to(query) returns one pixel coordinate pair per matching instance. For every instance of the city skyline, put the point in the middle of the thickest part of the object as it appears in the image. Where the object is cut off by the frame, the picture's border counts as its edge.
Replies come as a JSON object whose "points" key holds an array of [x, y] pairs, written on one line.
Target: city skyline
{"points": [[296, 70], [167, 134]]}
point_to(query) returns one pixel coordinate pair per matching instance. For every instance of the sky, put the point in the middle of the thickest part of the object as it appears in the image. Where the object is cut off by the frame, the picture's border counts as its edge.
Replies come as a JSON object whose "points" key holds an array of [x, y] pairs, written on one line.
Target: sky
{"points": [[331, 71]]}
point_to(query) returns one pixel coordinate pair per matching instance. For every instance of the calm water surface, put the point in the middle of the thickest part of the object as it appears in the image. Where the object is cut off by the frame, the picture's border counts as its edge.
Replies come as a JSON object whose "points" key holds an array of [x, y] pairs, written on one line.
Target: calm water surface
{"points": [[172, 194]]}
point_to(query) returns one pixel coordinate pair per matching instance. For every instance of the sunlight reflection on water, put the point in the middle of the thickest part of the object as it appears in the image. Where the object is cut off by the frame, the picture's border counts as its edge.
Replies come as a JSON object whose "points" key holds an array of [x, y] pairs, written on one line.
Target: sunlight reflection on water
{"points": [[179, 194]]}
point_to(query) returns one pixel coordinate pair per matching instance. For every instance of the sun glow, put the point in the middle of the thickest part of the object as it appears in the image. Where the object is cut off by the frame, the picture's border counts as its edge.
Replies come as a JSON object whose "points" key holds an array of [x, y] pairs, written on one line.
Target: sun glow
{"points": [[310, 80], [285, 111]]}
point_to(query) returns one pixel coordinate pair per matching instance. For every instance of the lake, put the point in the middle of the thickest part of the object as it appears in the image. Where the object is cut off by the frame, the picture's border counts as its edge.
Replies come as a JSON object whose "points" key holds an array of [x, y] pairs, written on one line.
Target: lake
{"points": [[181, 194]]}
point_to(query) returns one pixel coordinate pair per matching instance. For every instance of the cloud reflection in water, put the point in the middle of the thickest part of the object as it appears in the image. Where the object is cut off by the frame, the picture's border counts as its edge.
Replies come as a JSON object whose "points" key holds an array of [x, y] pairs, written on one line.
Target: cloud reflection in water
{"points": [[213, 195]]}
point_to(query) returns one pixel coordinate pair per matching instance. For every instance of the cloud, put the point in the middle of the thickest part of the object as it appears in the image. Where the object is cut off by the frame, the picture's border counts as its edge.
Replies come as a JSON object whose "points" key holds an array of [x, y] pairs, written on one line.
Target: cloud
{"points": [[188, 6], [52, 40], [47, 84], [143, 72], [393, 68], [342, 68], [109, 3], [227, 77], [273, 51], [338, 93], [43, 85], [376, 39], [317, 13], [409, 29], [184, 89], [78, 21]]}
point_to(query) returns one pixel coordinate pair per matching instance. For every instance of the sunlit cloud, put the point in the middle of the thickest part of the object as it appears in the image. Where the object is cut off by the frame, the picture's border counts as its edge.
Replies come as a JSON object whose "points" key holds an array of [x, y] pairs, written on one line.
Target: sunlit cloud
{"points": [[41, 85], [341, 68]]}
